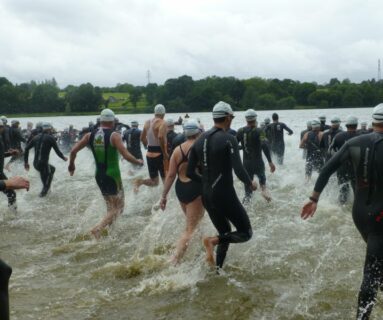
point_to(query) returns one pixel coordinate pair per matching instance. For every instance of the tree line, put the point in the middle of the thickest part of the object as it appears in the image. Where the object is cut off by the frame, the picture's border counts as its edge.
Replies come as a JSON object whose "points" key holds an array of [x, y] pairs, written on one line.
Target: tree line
{"points": [[183, 94]]}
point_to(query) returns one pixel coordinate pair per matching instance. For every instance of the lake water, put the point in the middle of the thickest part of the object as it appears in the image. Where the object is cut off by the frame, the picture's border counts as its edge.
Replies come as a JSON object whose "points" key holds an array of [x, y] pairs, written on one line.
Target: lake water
{"points": [[290, 269]]}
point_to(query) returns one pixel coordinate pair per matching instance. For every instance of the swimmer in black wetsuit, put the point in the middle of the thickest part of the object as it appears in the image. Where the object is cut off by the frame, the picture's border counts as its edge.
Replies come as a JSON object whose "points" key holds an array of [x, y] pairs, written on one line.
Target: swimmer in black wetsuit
{"points": [[309, 128], [15, 139], [363, 128], [276, 139], [365, 152], [345, 173], [217, 153], [5, 270], [43, 143], [188, 191], [253, 142], [11, 195], [170, 135], [132, 139], [311, 142], [323, 125], [328, 137]]}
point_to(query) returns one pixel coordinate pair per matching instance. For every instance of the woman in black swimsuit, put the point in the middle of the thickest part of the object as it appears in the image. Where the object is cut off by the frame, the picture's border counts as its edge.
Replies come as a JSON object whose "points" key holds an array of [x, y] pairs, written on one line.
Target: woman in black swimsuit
{"points": [[188, 191]]}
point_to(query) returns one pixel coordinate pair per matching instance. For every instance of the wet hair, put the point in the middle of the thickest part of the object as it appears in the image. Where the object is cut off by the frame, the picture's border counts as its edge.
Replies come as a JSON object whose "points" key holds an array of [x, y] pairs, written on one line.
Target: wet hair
{"points": [[352, 126], [219, 120], [275, 116]]}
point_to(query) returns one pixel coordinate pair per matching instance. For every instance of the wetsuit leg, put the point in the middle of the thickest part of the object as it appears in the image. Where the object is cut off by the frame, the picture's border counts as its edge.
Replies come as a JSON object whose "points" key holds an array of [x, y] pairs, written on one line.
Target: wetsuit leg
{"points": [[249, 167], [52, 171], [5, 274], [45, 175], [11, 194], [372, 276], [309, 166], [224, 208], [280, 153], [344, 185]]}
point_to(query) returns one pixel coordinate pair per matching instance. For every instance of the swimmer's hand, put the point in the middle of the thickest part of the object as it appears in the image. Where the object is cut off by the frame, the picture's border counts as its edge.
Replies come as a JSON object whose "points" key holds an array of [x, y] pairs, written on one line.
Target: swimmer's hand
{"points": [[15, 183], [65, 159], [71, 168], [272, 167], [254, 186], [308, 209], [163, 203], [140, 162], [14, 152], [26, 166]]}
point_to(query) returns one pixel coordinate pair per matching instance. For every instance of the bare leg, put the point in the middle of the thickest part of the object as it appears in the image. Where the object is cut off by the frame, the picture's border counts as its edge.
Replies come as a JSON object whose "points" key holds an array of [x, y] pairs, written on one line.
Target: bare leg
{"points": [[210, 243], [115, 206], [146, 182], [194, 213]]}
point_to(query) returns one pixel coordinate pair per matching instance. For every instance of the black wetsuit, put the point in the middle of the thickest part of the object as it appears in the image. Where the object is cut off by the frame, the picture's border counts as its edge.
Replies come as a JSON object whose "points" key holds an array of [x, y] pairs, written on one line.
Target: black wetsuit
{"points": [[187, 191], [314, 159], [133, 142], [5, 274], [363, 131], [365, 153], [217, 153], [302, 135], [277, 143], [6, 138], [232, 132], [253, 142], [11, 194], [34, 133], [43, 143], [324, 126], [345, 173], [170, 137], [327, 138]]}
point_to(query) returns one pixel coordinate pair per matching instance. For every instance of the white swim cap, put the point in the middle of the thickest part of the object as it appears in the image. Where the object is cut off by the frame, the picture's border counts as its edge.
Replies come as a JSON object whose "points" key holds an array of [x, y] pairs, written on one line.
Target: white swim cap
{"points": [[315, 124], [377, 114], [134, 123], [221, 110], [267, 120], [308, 123], [191, 127], [46, 126], [4, 119], [169, 122], [107, 115], [250, 115], [363, 124], [335, 120], [351, 121], [159, 109], [322, 118]]}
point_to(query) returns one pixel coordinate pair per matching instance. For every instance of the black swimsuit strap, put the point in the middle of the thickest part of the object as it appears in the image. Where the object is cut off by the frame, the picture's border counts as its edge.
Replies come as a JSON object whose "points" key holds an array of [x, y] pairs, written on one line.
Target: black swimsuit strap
{"points": [[185, 157]]}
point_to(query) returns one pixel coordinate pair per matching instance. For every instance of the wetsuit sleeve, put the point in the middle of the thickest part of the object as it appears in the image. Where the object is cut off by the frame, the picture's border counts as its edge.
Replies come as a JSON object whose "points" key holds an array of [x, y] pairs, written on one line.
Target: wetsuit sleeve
{"points": [[240, 138], [331, 166], [57, 150], [2, 185], [237, 163], [27, 148], [192, 166], [266, 151], [20, 136], [287, 129]]}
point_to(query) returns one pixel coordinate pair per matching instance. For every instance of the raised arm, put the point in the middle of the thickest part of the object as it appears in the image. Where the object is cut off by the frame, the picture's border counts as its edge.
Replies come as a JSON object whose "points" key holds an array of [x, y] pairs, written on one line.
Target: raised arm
{"points": [[287, 129]]}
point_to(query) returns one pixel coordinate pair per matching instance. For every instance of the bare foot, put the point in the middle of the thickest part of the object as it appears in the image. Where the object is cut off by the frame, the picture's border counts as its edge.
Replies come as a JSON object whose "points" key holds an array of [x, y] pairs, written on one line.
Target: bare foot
{"points": [[174, 261], [96, 232], [266, 194], [137, 183], [209, 247]]}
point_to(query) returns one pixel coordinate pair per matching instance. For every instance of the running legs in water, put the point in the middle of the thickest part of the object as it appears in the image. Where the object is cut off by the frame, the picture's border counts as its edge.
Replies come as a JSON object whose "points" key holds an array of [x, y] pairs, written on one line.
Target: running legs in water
{"points": [[5, 274], [194, 212], [115, 206]]}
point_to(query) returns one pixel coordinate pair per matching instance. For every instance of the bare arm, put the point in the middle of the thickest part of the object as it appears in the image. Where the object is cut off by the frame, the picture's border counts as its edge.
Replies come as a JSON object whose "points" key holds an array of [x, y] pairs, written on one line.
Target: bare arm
{"points": [[116, 141], [302, 145], [162, 133], [144, 133], [77, 147]]}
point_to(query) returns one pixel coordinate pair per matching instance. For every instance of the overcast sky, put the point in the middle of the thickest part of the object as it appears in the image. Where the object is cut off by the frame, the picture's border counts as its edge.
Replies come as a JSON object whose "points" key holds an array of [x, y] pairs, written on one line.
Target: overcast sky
{"points": [[114, 41]]}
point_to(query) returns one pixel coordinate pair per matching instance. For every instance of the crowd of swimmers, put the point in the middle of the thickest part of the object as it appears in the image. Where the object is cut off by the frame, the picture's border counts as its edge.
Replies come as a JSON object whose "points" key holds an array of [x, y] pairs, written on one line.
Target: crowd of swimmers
{"points": [[201, 163]]}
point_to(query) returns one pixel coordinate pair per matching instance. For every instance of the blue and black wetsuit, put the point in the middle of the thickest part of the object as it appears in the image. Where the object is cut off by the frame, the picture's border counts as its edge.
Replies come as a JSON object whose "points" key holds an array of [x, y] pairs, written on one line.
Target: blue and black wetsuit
{"points": [[43, 144], [365, 153], [253, 142], [276, 139], [345, 173], [325, 143], [108, 175], [133, 142], [5, 274], [217, 153]]}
